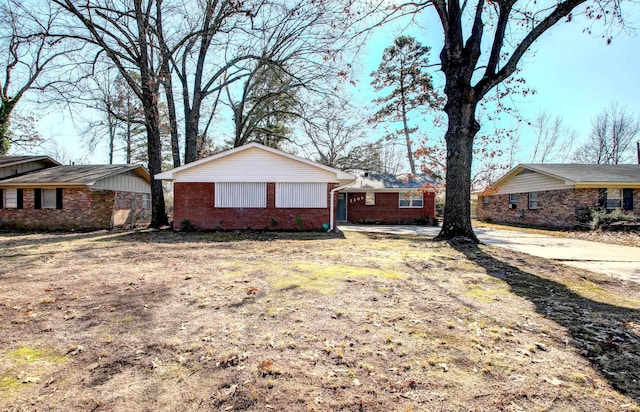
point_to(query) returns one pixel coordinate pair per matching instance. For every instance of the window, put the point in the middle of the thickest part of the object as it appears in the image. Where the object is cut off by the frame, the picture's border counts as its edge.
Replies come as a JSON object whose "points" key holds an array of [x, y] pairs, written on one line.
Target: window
{"points": [[146, 197], [613, 199], [410, 199], [533, 200], [241, 194], [485, 202], [10, 198], [49, 198], [513, 201], [301, 195], [370, 199]]}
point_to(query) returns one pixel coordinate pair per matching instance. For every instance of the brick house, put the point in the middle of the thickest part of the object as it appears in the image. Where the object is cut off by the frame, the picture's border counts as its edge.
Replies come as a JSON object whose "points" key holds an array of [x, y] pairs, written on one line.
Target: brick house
{"points": [[554, 195], [55, 197], [388, 199], [255, 187]]}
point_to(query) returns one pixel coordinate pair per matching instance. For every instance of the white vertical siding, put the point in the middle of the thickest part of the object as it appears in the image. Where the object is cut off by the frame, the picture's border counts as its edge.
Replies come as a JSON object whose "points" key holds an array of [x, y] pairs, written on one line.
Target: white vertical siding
{"points": [[255, 165], [241, 194], [124, 182], [303, 195], [532, 182]]}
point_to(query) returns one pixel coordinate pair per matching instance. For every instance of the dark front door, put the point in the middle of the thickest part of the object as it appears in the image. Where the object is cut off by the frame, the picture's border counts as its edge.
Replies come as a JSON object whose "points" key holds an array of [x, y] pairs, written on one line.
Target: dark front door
{"points": [[341, 213]]}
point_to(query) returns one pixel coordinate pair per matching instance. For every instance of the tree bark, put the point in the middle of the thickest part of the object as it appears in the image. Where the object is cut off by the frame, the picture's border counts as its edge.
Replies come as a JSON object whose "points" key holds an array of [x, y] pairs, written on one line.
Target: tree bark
{"points": [[461, 131]]}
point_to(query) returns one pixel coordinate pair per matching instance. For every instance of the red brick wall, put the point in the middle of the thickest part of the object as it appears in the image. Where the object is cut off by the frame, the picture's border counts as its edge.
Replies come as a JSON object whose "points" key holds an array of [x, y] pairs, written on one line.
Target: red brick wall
{"points": [[195, 202], [556, 208], [81, 209], [386, 209]]}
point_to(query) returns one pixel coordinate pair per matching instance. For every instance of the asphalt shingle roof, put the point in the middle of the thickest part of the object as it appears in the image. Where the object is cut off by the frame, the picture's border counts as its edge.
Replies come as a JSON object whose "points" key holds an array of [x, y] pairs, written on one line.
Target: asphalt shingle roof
{"points": [[626, 173], [80, 174], [381, 181]]}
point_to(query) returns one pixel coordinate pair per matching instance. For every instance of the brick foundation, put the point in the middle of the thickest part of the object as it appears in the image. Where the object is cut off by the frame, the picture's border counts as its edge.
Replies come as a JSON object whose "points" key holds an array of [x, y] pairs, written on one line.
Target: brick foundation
{"points": [[195, 202], [82, 209], [556, 208], [386, 209]]}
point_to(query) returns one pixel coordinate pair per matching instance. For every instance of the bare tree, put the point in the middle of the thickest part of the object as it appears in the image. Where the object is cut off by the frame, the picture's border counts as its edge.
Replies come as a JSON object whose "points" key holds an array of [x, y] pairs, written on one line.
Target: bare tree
{"points": [[336, 138], [125, 34], [296, 43], [27, 50], [553, 140], [483, 44], [613, 132]]}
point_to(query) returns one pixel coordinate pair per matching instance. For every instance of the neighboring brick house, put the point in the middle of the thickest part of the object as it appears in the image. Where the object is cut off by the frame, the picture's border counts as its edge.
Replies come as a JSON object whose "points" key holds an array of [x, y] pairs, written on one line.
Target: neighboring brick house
{"points": [[388, 199], [76, 197], [255, 187], [555, 195]]}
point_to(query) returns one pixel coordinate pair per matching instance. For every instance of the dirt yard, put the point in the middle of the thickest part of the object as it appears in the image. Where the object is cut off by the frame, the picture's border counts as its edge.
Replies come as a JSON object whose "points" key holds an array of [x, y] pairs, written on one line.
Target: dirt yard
{"points": [[163, 321]]}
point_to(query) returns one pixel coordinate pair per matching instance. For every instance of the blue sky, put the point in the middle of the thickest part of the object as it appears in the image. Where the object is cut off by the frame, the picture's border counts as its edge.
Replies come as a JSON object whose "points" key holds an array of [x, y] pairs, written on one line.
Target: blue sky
{"points": [[575, 75]]}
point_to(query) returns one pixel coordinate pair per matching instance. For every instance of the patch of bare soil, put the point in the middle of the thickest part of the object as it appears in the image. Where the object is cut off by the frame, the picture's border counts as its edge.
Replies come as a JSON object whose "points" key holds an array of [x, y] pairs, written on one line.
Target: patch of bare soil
{"points": [[311, 322]]}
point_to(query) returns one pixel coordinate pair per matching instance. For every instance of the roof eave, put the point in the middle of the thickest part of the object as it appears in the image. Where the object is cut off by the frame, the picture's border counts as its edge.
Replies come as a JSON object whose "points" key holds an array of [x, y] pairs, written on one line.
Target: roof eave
{"points": [[607, 185]]}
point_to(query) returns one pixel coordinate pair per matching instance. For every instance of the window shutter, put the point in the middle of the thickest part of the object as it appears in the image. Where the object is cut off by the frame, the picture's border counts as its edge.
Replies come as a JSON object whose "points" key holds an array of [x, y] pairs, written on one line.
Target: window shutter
{"points": [[602, 197], [59, 198], [627, 199], [37, 198], [1, 198], [20, 202]]}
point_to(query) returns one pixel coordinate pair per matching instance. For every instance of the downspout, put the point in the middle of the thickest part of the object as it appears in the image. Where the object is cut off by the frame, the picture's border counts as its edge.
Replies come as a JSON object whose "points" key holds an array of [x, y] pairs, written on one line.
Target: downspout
{"points": [[331, 207]]}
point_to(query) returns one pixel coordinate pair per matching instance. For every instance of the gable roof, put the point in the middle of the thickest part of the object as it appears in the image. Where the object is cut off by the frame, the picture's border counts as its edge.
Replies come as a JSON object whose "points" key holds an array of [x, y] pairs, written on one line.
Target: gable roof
{"points": [[580, 175], [171, 174], [390, 182], [75, 175], [15, 160]]}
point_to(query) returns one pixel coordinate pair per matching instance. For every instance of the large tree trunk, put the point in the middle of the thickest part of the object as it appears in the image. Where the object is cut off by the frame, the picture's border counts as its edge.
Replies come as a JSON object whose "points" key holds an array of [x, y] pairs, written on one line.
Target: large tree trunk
{"points": [[460, 133], [192, 128], [158, 213]]}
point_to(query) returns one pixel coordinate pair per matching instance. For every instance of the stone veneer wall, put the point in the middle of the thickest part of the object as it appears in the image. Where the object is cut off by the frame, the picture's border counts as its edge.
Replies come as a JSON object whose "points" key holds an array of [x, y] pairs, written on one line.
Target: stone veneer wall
{"points": [[123, 211]]}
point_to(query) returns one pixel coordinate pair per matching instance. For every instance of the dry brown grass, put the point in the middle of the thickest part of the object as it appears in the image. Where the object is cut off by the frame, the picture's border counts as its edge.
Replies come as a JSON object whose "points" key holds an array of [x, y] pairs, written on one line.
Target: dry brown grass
{"points": [[153, 321]]}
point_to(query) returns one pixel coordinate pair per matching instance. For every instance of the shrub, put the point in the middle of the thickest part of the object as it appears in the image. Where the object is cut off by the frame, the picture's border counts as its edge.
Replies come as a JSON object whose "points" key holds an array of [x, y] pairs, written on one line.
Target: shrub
{"points": [[187, 226], [598, 217]]}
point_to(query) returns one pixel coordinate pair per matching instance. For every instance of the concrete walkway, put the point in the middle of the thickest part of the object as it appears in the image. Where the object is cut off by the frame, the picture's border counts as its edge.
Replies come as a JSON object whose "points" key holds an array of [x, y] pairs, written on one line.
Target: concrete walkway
{"points": [[613, 260]]}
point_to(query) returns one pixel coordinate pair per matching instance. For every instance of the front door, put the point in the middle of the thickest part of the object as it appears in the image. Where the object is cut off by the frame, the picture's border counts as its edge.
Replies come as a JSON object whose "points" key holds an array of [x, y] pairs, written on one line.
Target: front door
{"points": [[341, 213]]}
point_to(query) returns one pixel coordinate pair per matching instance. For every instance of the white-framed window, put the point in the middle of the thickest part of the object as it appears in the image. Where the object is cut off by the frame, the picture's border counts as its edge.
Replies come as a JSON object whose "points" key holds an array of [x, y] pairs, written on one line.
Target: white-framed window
{"points": [[614, 199], [48, 198], [241, 194], [513, 200], [533, 200], [301, 195], [412, 198], [485, 202], [146, 200], [10, 198], [370, 198]]}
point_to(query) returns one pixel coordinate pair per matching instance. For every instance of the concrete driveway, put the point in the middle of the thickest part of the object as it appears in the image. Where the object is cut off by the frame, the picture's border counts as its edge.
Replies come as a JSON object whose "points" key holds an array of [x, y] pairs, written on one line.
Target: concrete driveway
{"points": [[613, 260]]}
